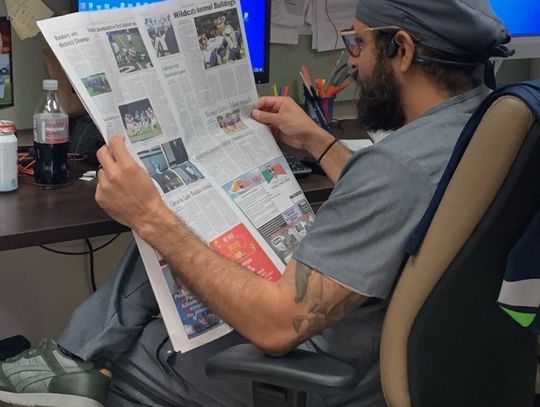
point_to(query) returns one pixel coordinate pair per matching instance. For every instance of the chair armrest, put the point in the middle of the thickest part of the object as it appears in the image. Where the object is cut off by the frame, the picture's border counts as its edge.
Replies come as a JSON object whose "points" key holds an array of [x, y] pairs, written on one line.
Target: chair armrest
{"points": [[298, 370]]}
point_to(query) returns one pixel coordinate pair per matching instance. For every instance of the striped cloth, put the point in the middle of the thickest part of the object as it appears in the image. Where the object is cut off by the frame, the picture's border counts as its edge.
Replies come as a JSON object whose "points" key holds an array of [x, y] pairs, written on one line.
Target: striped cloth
{"points": [[520, 292]]}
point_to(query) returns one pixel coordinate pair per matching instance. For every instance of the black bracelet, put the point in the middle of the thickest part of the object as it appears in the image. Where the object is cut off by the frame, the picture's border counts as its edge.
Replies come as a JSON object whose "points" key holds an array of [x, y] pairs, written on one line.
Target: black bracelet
{"points": [[327, 150]]}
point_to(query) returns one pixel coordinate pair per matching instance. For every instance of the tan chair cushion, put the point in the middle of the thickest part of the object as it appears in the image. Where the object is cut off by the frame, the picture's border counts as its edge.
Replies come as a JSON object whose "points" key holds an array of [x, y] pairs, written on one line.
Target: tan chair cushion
{"points": [[472, 189]]}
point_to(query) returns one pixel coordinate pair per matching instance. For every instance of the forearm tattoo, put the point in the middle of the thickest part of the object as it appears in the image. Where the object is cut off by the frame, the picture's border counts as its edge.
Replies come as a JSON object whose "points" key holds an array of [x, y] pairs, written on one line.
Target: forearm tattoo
{"points": [[314, 289], [301, 278]]}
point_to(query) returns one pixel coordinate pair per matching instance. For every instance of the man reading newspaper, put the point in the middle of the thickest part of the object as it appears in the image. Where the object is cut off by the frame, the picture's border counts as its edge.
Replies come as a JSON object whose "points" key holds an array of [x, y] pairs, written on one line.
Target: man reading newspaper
{"points": [[416, 65]]}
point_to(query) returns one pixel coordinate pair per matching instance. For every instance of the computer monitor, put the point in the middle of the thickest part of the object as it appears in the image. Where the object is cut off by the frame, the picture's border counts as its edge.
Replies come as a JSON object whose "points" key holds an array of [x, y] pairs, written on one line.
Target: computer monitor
{"points": [[256, 20], [522, 17]]}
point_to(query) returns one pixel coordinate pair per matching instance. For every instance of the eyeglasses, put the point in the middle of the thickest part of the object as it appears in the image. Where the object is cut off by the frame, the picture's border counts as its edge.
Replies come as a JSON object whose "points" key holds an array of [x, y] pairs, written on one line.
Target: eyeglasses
{"points": [[352, 42], [355, 44]]}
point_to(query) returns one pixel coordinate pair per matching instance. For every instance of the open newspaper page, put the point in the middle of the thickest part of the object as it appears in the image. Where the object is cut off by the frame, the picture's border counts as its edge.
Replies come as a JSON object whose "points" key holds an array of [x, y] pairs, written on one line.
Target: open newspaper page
{"points": [[175, 78]]}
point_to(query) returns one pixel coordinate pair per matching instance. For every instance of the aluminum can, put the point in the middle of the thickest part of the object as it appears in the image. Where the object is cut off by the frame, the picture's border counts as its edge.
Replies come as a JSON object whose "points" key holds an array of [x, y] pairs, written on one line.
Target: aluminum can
{"points": [[8, 157]]}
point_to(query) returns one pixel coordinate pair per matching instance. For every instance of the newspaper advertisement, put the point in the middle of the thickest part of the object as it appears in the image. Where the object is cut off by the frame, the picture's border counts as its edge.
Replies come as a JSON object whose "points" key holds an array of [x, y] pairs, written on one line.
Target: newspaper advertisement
{"points": [[175, 79]]}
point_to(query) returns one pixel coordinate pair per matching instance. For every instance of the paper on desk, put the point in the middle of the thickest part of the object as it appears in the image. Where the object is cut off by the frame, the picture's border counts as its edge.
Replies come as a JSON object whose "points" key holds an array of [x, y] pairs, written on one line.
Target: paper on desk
{"points": [[24, 14], [377, 136], [356, 145]]}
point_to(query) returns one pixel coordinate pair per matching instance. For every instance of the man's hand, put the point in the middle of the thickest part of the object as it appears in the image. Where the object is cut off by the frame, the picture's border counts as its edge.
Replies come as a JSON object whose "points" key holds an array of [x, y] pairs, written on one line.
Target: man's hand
{"points": [[125, 191], [291, 124], [294, 127]]}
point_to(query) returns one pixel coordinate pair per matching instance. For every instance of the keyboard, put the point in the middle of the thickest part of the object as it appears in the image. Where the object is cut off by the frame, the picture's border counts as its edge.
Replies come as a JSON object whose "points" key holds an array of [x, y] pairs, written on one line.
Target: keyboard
{"points": [[299, 170]]}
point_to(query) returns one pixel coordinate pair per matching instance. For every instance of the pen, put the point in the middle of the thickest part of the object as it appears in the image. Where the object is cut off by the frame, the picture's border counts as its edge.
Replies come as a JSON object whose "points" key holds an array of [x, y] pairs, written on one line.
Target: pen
{"points": [[274, 87], [306, 76], [320, 87], [286, 90]]}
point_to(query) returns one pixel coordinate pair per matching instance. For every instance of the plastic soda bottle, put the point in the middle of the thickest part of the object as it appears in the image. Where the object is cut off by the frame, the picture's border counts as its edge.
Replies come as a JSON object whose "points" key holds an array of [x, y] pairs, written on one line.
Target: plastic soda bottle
{"points": [[51, 138]]}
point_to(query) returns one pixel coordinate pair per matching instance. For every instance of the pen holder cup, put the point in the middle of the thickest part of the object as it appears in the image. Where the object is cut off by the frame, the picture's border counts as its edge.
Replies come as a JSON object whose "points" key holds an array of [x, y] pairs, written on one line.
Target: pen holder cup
{"points": [[326, 105]]}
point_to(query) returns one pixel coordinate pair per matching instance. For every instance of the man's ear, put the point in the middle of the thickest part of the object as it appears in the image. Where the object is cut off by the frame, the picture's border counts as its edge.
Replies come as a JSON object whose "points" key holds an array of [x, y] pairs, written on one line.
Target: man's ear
{"points": [[406, 50]]}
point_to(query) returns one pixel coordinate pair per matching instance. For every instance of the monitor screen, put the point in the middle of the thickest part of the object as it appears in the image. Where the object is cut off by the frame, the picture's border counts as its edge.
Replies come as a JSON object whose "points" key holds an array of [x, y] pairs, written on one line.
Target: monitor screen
{"points": [[522, 17], [256, 20]]}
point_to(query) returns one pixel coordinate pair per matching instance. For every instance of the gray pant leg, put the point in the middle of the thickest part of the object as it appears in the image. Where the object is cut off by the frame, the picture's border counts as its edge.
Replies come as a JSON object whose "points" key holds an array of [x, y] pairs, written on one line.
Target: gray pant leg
{"points": [[108, 322], [150, 374], [116, 323], [138, 378], [197, 389]]}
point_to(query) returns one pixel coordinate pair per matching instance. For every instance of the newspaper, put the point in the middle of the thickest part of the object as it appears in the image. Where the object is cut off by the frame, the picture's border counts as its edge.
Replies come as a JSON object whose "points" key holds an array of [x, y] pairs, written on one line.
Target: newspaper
{"points": [[175, 78]]}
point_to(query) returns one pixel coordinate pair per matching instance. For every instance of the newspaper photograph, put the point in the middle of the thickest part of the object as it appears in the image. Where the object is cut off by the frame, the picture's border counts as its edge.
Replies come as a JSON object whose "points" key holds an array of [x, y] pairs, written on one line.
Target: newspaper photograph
{"points": [[175, 79]]}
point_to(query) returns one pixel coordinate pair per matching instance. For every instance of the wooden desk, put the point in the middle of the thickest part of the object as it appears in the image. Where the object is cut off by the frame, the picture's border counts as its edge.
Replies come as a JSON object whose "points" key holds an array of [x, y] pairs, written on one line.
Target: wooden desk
{"points": [[33, 216]]}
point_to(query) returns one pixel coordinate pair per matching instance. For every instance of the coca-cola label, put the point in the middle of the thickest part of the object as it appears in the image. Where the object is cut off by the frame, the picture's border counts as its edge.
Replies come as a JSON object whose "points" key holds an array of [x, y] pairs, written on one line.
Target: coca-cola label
{"points": [[51, 131]]}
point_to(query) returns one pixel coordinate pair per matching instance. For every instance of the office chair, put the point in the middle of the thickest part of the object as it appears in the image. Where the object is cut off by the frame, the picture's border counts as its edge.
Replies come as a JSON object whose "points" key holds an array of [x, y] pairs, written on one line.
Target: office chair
{"points": [[445, 342]]}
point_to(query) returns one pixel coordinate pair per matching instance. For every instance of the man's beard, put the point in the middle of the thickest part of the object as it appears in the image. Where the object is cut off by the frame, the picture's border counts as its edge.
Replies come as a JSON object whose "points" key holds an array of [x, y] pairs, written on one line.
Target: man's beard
{"points": [[380, 106]]}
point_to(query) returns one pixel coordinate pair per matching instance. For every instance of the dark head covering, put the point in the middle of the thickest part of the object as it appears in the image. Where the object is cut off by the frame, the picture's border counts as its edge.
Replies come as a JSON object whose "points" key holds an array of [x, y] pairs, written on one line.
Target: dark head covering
{"points": [[465, 28]]}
